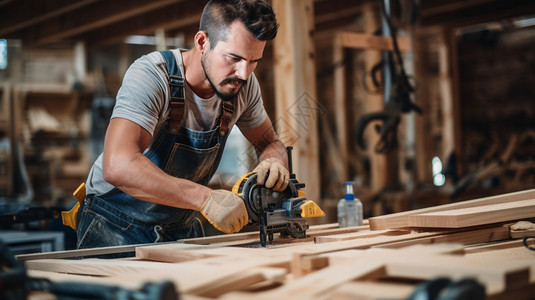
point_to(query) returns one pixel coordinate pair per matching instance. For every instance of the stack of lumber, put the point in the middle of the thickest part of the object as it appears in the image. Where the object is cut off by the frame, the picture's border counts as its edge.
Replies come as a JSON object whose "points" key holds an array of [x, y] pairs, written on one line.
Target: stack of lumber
{"points": [[386, 258]]}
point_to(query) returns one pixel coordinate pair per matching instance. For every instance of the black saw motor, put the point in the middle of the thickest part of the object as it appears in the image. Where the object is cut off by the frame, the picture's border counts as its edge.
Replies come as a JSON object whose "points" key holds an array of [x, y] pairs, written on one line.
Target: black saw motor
{"points": [[277, 212]]}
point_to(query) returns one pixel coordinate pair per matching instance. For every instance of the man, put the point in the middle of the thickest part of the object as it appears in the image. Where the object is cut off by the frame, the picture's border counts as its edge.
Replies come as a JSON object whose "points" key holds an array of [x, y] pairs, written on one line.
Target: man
{"points": [[168, 131]]}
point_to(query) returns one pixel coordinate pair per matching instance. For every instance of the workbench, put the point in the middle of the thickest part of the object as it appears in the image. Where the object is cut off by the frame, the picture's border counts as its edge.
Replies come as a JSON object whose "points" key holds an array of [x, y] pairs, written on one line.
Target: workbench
{"points": [[388, 257]]}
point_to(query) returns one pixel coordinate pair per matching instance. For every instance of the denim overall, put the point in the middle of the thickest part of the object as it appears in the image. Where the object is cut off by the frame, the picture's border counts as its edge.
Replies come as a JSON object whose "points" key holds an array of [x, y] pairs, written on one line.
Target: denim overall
{"points": [[116, 218]]}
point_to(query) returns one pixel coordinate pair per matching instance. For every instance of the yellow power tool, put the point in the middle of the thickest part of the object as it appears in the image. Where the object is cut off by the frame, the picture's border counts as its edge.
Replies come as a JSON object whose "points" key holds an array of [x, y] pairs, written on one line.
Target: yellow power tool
{"points": [[283, 212]]}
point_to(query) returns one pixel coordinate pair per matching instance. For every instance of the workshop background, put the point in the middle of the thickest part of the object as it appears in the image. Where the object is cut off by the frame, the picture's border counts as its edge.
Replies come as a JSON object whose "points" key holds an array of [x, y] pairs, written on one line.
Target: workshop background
{"points": [[451, 113]]}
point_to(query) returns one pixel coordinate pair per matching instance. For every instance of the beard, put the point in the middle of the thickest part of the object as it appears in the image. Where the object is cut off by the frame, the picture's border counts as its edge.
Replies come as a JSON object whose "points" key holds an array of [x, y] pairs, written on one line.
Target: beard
{"points": [[224, 96]]}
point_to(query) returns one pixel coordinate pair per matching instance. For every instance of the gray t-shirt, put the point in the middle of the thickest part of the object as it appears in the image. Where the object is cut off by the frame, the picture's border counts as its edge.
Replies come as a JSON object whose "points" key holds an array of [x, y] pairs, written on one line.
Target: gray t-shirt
{"points": [[143, 99]]}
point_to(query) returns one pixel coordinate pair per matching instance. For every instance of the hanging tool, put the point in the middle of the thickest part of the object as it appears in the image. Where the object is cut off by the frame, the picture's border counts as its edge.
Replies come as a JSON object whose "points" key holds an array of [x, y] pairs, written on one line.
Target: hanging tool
{"points": [[396, 94], [391, 117], [277, 212]]}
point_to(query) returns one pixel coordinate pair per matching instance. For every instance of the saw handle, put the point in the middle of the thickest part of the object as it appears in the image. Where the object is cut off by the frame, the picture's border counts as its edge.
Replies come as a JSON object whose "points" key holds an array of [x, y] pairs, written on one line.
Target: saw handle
{"points": [[290, 168]]}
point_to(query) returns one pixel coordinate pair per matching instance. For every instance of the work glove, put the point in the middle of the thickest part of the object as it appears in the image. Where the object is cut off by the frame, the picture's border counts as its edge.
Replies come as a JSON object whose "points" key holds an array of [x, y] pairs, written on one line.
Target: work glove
{"points": [[225, 211], [272, 174]]}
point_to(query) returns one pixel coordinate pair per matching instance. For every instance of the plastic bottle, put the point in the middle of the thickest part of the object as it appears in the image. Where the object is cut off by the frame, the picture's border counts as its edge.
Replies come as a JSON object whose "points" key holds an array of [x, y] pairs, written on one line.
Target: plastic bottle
{"points": [[349, 208]]}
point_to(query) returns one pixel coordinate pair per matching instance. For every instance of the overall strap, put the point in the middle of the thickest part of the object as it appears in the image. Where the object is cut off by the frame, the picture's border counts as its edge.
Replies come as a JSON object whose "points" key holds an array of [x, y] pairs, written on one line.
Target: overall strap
{"points": [[226, 116], [177, 102], [176, 86]]}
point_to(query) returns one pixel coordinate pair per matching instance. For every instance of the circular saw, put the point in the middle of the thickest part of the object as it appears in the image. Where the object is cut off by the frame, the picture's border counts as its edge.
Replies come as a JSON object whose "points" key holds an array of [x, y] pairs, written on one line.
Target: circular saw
{"points": [[277, 212]]}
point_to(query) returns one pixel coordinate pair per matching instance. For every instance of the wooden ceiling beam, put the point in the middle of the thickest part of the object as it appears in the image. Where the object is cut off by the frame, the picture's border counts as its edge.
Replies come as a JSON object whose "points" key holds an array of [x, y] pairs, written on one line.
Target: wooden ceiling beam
{"points": [[475, 12], [178, 17], [36, 13], [98, 15]]}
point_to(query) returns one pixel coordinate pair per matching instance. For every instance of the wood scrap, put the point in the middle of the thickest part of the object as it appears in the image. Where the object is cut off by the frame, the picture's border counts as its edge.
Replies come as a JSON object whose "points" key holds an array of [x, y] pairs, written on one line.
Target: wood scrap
{"points": [[522, 229]]}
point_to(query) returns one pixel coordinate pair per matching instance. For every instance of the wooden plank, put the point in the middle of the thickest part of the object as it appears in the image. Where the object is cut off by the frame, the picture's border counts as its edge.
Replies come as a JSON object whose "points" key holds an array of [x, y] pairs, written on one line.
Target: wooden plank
{"points": [[297, 110], [240, 281], [400, 220], [415, 263], [178, 252], [62, 277], [426, 263], [325, 279], [473, 216], [465, 238], [245, 238], [357, 235], [496, 275], [372, 42], [190, 277], [498, 245]]}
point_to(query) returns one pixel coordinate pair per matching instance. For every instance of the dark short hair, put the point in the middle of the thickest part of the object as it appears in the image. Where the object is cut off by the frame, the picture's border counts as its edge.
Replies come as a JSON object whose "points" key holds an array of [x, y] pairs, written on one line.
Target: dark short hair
{"points": [[257, 16]]}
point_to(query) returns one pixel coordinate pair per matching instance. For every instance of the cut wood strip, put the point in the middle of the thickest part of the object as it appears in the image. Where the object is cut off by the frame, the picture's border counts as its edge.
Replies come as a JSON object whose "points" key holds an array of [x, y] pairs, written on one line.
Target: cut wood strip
{"points": [[324, 280], [376, 254], [470, 237], [79, 252], [246, 238], [96, 267], [499, 245], [300, 264], [240, 281], [473, 216], [61, 277], [221, 238], [178, 252], [357, 235], [400, 220]]}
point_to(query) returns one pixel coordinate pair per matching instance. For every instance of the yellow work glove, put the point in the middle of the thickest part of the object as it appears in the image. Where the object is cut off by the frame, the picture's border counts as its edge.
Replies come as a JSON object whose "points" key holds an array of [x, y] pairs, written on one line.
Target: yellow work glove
{"points": [[272, 174], [226, 211]]}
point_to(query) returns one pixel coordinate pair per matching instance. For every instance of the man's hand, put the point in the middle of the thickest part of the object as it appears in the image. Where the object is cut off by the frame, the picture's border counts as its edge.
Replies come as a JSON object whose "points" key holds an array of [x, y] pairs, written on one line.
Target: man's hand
{"points": [[226, 211], [272, 174]]}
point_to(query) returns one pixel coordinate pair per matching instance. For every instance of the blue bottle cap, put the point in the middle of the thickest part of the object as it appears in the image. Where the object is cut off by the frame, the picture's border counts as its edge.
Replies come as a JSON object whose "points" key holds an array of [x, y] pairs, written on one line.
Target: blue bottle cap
{"points": [[349, 191]]}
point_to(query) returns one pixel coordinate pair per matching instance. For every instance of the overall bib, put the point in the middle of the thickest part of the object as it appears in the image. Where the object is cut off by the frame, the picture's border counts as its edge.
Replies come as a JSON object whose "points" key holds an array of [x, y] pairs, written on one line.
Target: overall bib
{"points": [[116, 218]]}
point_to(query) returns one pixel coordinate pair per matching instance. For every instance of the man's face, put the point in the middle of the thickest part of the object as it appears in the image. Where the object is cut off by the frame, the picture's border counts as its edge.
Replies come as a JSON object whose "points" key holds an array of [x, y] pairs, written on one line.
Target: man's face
{"points": [[231, 62]]}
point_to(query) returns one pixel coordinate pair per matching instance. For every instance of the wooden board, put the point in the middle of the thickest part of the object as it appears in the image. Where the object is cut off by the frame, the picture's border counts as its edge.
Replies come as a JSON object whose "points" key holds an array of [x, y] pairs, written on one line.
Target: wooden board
{"points": [[356, 40], [400, 220], [473, 216], [200, 277]]}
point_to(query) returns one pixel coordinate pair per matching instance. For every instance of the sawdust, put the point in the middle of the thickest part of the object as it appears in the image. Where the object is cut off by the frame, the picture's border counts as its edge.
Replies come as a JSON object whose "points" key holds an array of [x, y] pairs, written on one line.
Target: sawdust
{"points": [[522, 225]]}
